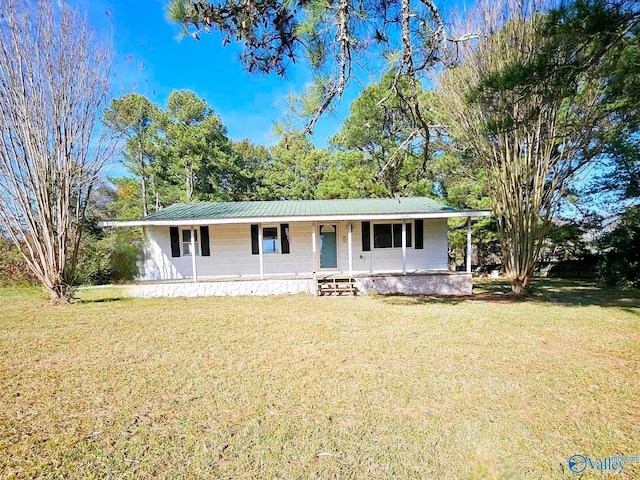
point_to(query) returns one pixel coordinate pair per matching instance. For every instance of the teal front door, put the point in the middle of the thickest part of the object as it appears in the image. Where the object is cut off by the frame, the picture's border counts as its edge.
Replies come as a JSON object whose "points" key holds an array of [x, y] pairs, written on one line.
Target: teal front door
{"points": [[328, 247]]}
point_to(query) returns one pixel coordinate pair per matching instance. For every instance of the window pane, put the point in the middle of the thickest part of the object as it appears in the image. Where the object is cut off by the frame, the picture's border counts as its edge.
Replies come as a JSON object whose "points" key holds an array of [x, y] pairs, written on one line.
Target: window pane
{"points": [[382, 235], [270, 240], [270, 246], [270, 232], [397, 235], [186, 242]]}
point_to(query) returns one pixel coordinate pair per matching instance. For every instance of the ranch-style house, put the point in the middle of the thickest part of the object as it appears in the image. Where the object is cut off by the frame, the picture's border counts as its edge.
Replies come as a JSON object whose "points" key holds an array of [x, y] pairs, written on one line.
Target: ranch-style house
{"points": [[381, 245]]}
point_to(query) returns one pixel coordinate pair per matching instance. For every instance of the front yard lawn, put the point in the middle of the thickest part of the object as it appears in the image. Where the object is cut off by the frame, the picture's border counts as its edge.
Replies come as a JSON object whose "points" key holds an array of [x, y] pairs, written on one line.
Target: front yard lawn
{"points": [[304, 387]]}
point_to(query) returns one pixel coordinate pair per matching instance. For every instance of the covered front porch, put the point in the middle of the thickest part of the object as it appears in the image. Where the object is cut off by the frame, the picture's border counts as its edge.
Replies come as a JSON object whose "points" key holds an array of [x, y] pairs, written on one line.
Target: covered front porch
{"points": [[316, 249]]}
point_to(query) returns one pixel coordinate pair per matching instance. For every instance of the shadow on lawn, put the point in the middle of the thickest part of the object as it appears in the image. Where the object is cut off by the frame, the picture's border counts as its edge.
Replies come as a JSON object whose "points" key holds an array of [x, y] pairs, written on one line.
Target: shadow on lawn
{"points": [[101, 300], [581, 292], [555, 291]]}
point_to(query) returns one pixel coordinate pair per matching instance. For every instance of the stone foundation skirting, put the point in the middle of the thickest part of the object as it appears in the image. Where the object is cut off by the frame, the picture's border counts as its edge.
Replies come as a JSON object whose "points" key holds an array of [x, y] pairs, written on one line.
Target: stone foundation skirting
{"points": [[445, 284], [224, 289], [434, 284]]}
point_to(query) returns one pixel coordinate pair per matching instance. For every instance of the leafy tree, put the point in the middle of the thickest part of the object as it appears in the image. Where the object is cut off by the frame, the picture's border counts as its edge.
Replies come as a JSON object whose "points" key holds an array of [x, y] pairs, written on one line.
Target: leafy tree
{"points": [[124, 198], [133, 116], [623, 176], [197, 159], [619, 179], [295, 171], [390, 142], [459, 180], [249, 181], [621, 256], [180, 153], [623, 99], [522, 110], [54, 78], [566, 241], [350, 174], [108, 255], [602, 39]]}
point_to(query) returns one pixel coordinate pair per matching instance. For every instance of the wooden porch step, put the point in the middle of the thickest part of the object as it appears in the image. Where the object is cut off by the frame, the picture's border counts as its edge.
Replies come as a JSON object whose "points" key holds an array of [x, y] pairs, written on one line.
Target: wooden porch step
{"points": [[337, 285]]}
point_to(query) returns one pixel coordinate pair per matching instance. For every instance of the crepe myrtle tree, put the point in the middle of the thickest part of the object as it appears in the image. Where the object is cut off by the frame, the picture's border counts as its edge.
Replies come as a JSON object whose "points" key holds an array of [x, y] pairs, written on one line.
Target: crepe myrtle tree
{"points": [[54, 78], [527, 100]]}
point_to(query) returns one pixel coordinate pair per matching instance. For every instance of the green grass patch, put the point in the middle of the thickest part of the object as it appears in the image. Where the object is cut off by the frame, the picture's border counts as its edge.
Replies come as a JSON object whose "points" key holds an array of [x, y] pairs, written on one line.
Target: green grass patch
{"points": [[305, 387]]}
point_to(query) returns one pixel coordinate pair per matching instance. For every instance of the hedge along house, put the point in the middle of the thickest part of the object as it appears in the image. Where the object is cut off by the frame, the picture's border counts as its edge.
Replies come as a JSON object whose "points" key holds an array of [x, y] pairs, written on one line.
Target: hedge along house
{"points": [[261, 248]]}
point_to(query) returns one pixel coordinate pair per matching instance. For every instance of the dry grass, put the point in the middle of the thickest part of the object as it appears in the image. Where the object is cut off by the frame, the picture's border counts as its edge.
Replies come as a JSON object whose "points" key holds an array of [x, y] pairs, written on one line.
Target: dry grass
{"points": [[300, 387]]}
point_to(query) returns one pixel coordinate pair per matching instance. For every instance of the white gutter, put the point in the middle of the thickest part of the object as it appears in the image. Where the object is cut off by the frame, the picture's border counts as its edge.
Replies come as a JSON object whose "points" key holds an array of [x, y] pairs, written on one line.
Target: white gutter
{"points": [[297, 218]]}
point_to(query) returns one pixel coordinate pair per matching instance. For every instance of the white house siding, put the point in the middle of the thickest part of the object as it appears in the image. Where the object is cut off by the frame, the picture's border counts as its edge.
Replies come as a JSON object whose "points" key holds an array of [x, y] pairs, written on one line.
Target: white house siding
{"points": [[230, 247], [298, 261], [158, 264], [433, 255]]}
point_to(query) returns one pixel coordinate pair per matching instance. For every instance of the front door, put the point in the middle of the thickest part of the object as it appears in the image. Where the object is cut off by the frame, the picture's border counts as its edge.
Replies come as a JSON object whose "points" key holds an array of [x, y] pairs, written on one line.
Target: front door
{"points": [[328, 246]]}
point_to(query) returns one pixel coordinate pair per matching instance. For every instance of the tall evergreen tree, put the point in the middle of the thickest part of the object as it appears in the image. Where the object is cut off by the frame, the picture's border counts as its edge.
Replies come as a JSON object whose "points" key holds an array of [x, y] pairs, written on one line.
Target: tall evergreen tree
{"points": [[390, 142], [133, 116], [197, 156], [295, 171]]}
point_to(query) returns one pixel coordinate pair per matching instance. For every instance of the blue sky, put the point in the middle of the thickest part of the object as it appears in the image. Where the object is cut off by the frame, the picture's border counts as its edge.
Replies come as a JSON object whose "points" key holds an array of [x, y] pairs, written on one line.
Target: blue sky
{"points": [[150, 60]]}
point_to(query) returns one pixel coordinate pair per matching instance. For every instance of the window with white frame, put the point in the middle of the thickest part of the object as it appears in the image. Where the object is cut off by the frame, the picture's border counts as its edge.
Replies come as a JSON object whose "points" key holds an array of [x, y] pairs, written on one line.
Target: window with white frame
{"points": [[389, 235], [270, 240], [186, 242]]}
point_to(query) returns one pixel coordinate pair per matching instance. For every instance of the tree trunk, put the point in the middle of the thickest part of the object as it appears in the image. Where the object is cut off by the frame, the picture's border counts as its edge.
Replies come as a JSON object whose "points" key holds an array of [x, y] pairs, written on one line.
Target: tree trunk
{"points": [[49, 164], [154, 192], [519, 283], [59, 291], [143, 186], [517, 286], [190, 183]]}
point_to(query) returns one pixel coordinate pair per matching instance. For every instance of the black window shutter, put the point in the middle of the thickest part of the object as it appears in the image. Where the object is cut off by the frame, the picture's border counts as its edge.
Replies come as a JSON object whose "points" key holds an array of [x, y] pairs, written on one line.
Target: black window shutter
{"points": [[419, 234], [204, 241], [175, 241], [255, 248], [366, 236], [284, 239]]}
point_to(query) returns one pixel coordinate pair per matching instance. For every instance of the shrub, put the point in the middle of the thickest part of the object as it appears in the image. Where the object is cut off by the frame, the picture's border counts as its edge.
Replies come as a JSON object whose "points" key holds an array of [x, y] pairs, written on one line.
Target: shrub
{"points": [[620, 264], [13, 269], [111, 259]]}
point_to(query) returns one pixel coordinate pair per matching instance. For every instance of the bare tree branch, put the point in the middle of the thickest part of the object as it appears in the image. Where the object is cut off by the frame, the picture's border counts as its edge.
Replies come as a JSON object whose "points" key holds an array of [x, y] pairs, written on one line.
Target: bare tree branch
{"points": [[54, 77]]}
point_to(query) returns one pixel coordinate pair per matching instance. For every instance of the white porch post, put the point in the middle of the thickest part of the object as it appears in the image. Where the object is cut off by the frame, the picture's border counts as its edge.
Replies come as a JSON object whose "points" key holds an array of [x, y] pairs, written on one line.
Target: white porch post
{"points": [[349, 238], [404, 248], [194, 267], [313, 247], [260, 251], [468, 245]]}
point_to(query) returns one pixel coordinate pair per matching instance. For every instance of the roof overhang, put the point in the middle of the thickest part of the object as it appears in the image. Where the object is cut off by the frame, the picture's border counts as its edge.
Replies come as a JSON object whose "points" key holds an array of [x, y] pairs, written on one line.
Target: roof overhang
{"points": [[294, 219]]}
